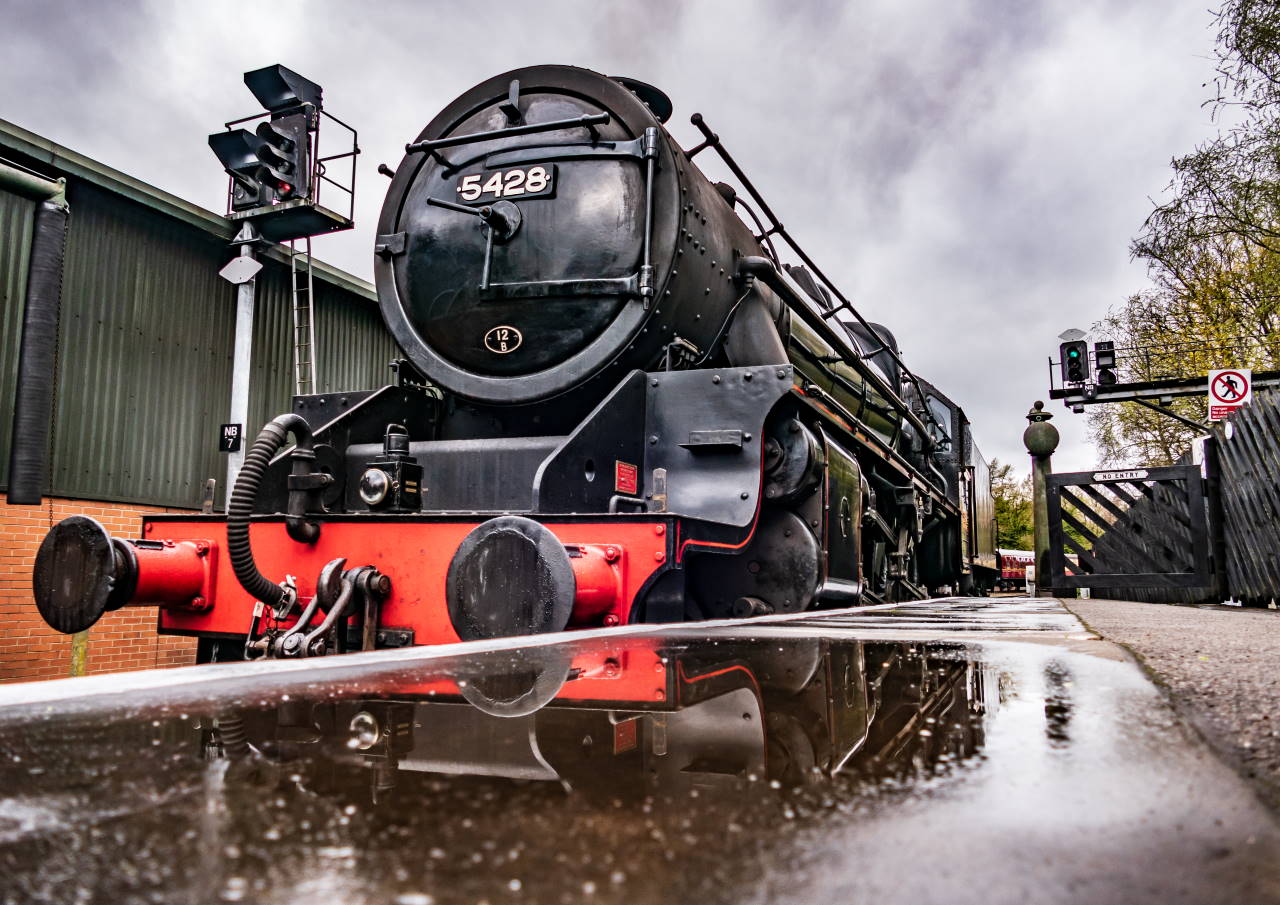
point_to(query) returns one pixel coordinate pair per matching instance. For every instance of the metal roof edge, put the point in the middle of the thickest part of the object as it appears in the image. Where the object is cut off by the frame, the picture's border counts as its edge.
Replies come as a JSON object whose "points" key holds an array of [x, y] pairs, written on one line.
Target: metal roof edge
{"points": [[65, 161], [68, 162]]}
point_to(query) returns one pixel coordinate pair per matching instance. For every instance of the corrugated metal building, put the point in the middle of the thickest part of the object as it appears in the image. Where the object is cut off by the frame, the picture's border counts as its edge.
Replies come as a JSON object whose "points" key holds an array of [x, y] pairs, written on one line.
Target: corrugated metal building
{"points": [[145, 345], [146, 332]]}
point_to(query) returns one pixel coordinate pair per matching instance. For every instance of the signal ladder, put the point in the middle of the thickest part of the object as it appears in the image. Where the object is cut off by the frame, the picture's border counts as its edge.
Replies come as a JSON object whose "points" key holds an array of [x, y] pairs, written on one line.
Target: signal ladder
{"points": [[304, 325]]}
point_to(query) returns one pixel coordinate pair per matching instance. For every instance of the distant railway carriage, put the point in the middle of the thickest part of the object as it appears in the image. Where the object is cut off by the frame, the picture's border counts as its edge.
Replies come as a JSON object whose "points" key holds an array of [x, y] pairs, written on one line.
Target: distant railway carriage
{"points": [[1013, 569]]}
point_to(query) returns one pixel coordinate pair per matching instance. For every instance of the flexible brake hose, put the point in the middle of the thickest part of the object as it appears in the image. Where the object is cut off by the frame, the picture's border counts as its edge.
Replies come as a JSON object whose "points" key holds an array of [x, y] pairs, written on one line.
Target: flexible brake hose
{"points": [[235, 740], [269, 441]]}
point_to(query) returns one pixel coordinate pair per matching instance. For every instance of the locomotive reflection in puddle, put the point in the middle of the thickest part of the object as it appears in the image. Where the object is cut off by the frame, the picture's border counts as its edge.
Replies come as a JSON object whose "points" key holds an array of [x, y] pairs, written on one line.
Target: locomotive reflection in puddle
{"points": [[656, 719]]}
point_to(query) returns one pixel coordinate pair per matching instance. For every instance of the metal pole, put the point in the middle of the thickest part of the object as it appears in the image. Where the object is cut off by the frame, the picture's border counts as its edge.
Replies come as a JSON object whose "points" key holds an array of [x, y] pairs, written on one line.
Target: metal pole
{"points": [[1041, 468], [1216, 513], [1040, 439], [242, 359], [1175, 416]]}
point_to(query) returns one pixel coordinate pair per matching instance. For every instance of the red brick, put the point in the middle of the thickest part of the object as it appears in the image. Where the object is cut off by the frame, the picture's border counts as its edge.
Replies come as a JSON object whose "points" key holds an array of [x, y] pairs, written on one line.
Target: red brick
{"points": [[121, 641]]}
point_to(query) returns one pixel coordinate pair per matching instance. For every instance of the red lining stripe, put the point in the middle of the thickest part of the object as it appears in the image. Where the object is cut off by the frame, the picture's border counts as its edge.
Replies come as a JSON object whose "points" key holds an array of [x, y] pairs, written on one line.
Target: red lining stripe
{"points": [[718, 544]]}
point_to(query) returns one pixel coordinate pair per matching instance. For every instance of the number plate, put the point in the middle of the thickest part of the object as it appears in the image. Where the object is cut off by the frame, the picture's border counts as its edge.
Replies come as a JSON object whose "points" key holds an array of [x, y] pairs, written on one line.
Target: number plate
{"points": [[537, 181], [229, 439]]}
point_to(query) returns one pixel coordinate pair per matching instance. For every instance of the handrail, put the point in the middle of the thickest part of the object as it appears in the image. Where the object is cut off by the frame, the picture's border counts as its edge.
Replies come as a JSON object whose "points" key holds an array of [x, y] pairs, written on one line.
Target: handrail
{"points": [[590, 121], [764, 270], [712, 140]]}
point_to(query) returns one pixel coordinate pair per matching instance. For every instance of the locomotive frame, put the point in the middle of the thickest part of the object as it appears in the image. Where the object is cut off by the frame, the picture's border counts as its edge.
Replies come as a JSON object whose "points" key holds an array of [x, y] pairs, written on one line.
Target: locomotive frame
{"points": [[618, 405]]}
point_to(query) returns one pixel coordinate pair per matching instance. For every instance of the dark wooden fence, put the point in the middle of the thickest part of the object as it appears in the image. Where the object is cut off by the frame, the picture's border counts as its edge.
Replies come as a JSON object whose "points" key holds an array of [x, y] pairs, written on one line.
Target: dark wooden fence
{"points": [[1248, 458], [1242, 472]]}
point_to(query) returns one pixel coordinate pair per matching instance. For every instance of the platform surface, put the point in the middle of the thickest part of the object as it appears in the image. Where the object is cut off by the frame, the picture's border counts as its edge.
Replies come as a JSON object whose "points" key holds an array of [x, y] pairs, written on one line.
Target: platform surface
{"points": [[1221, 667], [1028, 761]]}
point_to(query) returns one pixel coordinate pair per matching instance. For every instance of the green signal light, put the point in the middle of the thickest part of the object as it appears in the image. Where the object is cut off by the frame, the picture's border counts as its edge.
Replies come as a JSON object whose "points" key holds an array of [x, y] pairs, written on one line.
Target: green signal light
{"points": [[1073, 353]]}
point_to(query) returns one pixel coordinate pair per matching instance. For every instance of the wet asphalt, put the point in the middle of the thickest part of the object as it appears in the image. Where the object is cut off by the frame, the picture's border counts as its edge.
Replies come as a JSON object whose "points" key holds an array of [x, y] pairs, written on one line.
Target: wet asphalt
{"points": [[1221, 668], [947, 751]]}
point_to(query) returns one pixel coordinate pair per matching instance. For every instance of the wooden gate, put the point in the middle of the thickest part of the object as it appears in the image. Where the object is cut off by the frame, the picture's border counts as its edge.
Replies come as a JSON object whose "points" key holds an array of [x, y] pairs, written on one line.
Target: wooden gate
{"points": [[1138, 528]]}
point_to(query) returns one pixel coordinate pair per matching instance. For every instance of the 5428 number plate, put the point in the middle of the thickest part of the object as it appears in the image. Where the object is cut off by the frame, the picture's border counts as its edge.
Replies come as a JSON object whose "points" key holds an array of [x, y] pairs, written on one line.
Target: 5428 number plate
{"points": [[518, 182]]}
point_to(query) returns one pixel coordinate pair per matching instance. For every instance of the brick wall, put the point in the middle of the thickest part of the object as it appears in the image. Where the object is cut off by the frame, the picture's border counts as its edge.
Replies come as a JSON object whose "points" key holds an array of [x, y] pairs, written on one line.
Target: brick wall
{"points": [[123, 640]]}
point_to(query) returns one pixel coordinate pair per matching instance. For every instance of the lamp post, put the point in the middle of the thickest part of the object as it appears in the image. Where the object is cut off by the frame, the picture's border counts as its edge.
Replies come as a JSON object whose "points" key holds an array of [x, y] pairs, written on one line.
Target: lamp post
{"points": [[1041, 439]]}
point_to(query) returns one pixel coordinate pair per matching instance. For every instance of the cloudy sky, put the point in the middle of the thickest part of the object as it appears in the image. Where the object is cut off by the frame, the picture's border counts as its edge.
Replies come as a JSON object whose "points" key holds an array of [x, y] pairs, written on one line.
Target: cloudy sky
{"points": [[969, 171]]}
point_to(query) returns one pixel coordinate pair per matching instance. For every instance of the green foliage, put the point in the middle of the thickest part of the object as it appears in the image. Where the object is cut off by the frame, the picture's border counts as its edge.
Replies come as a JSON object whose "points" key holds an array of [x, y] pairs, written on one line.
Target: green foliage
{"points": [[1014, 526], [1229, 188], [1213, 251]]}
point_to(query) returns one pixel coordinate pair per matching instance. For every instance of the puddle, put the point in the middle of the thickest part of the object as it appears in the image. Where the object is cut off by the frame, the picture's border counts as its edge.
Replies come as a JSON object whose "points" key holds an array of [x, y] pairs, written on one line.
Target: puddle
{"points": [[763, 764]]}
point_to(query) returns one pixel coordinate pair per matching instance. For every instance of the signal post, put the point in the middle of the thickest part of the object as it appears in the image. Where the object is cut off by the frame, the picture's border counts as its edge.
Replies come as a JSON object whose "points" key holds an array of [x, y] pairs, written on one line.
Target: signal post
{"points": [[275, 174]]}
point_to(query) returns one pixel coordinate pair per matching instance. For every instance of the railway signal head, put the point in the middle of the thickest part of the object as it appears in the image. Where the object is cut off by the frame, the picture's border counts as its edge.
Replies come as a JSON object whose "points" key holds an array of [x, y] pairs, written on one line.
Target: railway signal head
{"points": [[1074, 355], [280, 90], [276, 167], [238, 152], [294, 103], [284, 154], [1104, 358]]}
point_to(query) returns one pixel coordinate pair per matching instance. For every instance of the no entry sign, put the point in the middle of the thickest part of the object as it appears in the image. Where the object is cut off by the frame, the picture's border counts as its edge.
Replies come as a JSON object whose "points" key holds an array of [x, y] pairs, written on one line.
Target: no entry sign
{"points": [[1228, 390]]}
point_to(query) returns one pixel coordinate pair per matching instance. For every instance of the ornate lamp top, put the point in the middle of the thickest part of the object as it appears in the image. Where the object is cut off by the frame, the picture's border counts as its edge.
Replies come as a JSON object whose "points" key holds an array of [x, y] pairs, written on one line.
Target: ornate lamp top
{"points": [[1038, 413]]}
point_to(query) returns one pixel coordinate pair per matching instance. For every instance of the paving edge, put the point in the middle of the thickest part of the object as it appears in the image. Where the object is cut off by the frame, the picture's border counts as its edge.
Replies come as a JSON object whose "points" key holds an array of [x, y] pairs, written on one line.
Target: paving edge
{"points": [[1266, 790]]}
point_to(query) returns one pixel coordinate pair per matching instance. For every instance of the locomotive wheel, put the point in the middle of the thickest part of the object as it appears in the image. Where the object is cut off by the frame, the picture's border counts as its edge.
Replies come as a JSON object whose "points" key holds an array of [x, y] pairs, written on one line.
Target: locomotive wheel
{"points": [[792, 760], [911, 568], [779, 568], [876, 568]]}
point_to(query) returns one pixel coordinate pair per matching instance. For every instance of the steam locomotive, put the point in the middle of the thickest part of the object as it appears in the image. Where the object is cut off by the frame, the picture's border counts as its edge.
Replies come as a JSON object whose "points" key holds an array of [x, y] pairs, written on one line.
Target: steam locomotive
{"points": [[617, 405]]}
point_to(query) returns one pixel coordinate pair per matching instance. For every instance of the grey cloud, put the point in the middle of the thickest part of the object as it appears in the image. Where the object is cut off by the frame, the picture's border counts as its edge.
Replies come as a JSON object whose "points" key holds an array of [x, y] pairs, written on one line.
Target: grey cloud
{"points": [[969, 172]]}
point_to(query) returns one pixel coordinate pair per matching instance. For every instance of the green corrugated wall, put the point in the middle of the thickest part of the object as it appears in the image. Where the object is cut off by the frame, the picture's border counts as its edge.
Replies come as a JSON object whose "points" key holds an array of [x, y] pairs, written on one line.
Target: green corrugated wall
{"points": [[144, 362], [353, 348]]}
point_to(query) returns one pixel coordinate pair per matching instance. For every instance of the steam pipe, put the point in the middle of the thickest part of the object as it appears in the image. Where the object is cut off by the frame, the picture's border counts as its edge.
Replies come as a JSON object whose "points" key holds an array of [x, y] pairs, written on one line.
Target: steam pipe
{"points": [[38, 348], [713, 141], [245, 494]]}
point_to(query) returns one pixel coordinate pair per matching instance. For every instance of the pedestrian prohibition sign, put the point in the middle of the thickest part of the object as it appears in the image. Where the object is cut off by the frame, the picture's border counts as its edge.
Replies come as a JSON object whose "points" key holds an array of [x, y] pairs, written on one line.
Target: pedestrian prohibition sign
{"points": [[1228, 390]]}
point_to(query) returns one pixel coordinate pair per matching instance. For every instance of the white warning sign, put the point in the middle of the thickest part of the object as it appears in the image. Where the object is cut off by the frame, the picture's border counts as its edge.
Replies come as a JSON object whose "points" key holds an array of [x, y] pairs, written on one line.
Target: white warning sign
{"points": [[1228, 390]]}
